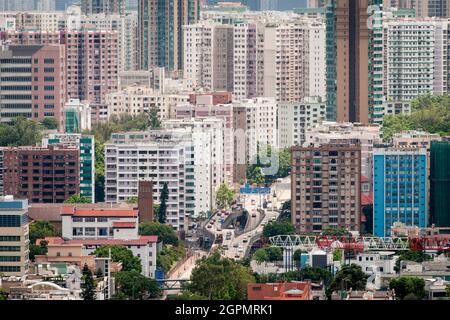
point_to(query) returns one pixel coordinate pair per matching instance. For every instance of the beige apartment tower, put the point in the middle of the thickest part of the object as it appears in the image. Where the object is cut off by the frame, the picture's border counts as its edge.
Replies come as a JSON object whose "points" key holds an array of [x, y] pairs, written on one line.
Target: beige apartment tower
{"points": [[325, 187]]}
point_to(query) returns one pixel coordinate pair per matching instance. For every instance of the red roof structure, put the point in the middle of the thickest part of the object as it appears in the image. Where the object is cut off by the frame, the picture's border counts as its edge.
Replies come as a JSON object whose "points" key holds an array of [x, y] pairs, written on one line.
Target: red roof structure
{"points": [[95, 212], [124, 225], [141, 241]]}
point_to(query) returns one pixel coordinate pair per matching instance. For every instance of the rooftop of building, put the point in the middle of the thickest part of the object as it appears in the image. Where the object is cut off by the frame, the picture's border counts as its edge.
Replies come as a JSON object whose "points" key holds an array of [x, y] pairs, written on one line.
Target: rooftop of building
{"points": [[9, 203], [97, 212], [142, 240]]}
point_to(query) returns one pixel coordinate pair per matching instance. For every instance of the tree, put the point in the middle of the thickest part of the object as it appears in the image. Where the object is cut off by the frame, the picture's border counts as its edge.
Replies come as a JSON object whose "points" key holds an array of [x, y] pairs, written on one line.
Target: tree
{"points": [[20, 132], [88, 284], [260, 255], [218, 278], [274, 254], [3, 294], [416, 256], [350, 276], [278, 228], [40, 230], [169, 255], [448, 290], [50, 123], [285, 215], [225, 196], [186, 295], [340, 232], [408, 288], [164, 232], [132, 200], [154, 119], [99, 171], [38, 250], [337, 255], [134, 286], [257, 176], [162, 213], [120, 254], [76, 198], [297, 255]]}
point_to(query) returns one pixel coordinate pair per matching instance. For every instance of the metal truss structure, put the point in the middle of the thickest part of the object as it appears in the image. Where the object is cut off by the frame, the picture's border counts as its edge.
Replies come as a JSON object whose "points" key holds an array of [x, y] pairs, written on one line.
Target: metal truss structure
{"points": [[361, 244]]}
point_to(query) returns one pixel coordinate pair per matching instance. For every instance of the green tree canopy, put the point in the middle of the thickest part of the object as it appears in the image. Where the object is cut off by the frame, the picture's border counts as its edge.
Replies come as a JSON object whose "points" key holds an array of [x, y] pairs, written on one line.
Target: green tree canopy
{"points": [[20, 132], [164, 232], [268, 254], [429, 113], [3, 294], [339, 232], [88, 284], [132, 285], [132, 200], [297, 255], [225, 196], [218, 278], [120, 254], [260, 255], [50, 123], [350, 276], [40, 230], [169, 255], [408, 288], [76, 198], [162, 212], [278, 228]]}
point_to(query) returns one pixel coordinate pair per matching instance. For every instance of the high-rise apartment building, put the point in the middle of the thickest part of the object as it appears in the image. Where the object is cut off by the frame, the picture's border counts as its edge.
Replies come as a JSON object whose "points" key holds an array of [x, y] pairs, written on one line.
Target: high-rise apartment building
{"points": [[160, 25], [295, 118], [347, 60], [91, 59], [180, 157], [41, 175], [103, 6], [366, 136], [14, 233], [208, 56], [326, 187], [33, 82], [86, 146], [400, 189]]}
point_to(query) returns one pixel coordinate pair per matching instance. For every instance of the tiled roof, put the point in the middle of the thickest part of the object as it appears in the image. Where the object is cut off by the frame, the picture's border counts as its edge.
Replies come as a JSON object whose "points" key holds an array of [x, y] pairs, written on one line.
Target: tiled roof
{"points": [[366, 199], [142, 240], [95, 212], [124, 225]]}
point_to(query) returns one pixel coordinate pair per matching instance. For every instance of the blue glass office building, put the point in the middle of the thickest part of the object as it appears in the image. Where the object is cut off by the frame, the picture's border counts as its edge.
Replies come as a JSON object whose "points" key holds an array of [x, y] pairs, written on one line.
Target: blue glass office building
{"points": [[400, 189]]}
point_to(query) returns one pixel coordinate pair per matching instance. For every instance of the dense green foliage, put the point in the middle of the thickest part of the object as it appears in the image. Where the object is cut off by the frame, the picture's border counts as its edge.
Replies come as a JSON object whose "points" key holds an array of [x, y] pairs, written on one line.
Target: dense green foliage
{"points": [[87, 284], [120, 254], [268, 254], [131, 285], [278, 228], [169, 255], [162, 212], [186, 295], [50, 123], [285, 214], [20, 132], [350, 276], [429, 113], [255, 173], [40, 230], [225, 196], [3, 294], [408, 288], [339, 232], [76, 198], [165, 233], [218, 278]]}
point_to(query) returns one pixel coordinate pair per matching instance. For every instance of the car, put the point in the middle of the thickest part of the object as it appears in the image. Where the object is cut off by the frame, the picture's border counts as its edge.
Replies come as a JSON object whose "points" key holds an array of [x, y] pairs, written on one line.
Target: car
{"points": [[235, 245], [227, 213], [241, 249], [237, 256], [253, 215], [219, 229], [209, 226], [245, 240], [225, 247]]}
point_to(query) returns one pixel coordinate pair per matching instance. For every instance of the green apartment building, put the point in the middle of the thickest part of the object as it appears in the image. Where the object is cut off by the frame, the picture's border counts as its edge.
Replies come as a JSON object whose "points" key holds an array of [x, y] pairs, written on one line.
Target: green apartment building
{"points": [[86, 145], [440, 183]]}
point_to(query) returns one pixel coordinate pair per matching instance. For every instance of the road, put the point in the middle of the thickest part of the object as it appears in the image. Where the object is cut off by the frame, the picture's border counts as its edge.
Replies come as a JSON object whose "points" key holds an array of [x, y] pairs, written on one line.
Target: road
{"points": [[237, 245]]}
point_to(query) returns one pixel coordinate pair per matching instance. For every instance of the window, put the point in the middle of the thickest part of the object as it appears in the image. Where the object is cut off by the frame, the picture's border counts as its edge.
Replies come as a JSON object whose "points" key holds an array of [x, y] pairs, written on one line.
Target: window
{"points": [[103, 232], [77, 219], [90, 232], [9, 248], [77, 231], [102, 219], [9, 238], [89, 219], [9, 269]]}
